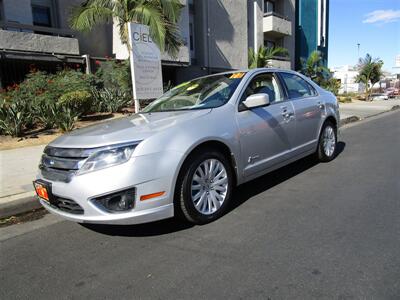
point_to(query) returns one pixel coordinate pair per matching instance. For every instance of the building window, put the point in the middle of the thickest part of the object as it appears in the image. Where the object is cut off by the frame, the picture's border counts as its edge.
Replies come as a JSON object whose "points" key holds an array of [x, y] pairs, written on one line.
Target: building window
{"points": [[41, 16], [1, 10], [269, 44], [269, 6]]}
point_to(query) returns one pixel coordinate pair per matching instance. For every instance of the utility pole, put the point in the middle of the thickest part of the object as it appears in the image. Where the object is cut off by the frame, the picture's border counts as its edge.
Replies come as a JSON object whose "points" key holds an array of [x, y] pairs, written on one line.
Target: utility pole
{"points": [[358, 50]]}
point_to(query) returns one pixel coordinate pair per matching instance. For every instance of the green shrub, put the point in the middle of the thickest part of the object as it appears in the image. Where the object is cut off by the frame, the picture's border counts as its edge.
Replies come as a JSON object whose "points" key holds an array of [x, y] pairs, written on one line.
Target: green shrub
{"points": [[14, 116], [48, 100], [114, 88], [80, 101], [116, 74], [66, 117], [110, 99], [15, 112], [74, 84]]}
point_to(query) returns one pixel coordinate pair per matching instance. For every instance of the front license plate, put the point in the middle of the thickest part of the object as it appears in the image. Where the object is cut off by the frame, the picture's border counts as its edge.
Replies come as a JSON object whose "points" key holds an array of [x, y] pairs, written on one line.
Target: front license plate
{"points": [[43, 190]]}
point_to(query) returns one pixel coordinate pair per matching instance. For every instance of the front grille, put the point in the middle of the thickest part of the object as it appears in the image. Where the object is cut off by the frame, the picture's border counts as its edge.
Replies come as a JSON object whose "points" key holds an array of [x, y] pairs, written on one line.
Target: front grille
{"points": [[68, 205], [60, 164]]}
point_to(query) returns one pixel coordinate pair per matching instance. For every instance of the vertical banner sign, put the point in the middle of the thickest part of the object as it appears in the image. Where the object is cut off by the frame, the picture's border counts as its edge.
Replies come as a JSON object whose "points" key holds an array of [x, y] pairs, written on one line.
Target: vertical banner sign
{"points": [[145, 60]]}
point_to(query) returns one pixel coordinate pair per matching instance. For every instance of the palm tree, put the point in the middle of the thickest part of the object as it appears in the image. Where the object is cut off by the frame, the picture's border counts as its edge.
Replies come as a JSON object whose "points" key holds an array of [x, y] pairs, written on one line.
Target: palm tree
{"points": [[314, 68], [160, 15], [262, 57], [369, 72]]}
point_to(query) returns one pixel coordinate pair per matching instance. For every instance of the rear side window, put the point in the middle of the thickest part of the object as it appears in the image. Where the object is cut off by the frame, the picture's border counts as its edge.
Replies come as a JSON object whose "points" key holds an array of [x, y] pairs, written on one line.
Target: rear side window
{"points": [[297, 87]]}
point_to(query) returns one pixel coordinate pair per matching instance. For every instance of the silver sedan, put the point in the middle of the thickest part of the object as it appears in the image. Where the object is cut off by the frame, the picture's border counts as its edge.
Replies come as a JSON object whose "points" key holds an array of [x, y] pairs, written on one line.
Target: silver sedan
{"points": [[186, 152]]}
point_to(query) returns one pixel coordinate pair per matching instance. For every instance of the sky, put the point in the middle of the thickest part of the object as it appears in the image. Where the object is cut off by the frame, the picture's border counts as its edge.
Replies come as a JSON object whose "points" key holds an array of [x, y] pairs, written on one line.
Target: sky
{"points": [[374, 24]]}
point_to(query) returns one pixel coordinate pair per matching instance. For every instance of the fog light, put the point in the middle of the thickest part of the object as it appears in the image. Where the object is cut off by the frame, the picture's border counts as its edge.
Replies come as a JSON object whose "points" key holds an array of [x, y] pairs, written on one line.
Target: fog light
{"points": [[116, 202]]}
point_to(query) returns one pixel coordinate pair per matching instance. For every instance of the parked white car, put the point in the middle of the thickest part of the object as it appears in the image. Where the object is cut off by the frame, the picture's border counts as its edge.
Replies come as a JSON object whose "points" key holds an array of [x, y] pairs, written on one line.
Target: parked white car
{"points": [[379, 97], [185, 153]]}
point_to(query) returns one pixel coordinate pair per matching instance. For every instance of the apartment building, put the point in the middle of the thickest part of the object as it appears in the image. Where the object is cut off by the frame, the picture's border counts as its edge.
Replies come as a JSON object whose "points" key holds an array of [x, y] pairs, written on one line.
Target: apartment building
{"points": [[216, 36]]}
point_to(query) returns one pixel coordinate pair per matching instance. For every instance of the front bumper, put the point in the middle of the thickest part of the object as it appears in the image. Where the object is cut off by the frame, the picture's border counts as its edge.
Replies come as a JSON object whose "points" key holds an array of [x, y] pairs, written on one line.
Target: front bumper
{"points": [[128, 218], [146, 174]]}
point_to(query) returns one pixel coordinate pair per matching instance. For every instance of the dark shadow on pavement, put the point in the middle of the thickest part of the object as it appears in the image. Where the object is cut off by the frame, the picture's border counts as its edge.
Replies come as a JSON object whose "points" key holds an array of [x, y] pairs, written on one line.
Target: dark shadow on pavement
{"points": [[263, 183], [141, 230], [241, 195]]}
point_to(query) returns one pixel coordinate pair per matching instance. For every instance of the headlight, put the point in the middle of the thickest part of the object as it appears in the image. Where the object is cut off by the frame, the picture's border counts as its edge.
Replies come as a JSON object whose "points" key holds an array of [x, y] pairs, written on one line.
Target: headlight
{"points": [[106, 158]]}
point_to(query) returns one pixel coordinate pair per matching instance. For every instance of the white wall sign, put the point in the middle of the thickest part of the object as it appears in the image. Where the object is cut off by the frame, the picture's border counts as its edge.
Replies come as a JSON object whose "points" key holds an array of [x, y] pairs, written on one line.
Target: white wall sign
{"points": [[145, 64]]}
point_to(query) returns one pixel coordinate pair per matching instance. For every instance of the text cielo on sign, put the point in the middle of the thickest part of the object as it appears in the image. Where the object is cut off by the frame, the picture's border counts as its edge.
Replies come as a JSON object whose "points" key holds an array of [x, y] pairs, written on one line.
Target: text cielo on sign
{"points": [[145, 63]]}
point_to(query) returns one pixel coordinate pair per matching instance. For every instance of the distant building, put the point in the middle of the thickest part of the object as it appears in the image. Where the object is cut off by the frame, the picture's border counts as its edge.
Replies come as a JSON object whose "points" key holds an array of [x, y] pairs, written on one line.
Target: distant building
{"points": [[216, 36], [397, 61], [347, 76]]}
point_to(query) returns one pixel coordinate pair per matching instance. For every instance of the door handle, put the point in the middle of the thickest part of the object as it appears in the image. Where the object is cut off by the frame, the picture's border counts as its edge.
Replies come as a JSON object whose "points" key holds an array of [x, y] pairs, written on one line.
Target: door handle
{"points": [[287, 115]]}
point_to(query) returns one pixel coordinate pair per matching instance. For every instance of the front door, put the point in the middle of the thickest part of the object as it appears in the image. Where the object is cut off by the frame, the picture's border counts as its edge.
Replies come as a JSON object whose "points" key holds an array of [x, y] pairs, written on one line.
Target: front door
{"points": [[266, 133]]}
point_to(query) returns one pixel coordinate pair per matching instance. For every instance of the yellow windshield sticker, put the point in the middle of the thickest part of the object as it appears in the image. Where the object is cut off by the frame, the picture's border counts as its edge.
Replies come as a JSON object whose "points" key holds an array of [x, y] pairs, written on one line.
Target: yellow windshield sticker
{"points": [[237, 75], [182, 85], [192, 87]]}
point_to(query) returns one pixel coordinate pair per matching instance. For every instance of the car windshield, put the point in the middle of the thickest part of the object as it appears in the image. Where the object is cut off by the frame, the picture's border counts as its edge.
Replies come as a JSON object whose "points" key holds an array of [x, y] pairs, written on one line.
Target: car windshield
{"points": [[207, 92]]}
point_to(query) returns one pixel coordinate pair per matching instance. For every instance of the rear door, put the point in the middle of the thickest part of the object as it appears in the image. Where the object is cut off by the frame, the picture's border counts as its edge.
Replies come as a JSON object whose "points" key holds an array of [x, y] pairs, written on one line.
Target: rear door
{"points": [[308, 110]]}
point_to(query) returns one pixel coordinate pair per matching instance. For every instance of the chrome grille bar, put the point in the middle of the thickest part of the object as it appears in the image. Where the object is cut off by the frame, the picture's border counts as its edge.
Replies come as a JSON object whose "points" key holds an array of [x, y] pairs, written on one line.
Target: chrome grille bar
{"points": [[61, 163]]}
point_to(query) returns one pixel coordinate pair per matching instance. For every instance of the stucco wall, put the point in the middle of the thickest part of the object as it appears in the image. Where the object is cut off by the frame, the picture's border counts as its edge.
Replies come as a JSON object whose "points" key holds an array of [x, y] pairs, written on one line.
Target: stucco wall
{"points": [[26, 41]]}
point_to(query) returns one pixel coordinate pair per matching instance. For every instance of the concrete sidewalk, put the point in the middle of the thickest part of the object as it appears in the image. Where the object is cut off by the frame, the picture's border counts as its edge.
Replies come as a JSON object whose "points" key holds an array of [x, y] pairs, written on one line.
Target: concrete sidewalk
{"points": [[362, 109], [19, 166], [18, 169]]}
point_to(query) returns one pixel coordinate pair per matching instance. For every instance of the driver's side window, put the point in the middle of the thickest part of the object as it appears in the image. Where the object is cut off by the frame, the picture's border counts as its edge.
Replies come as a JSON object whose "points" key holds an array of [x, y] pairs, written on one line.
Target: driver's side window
{"points": [[265, 83]]}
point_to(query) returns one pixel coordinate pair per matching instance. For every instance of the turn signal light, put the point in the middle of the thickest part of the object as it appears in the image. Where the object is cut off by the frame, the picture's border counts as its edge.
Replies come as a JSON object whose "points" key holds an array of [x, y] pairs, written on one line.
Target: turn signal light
{"points": [[151, 196]]}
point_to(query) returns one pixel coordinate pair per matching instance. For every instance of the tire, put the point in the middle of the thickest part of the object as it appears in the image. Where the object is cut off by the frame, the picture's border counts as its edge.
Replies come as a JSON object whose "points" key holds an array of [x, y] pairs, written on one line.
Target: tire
{"points": [[214, 199], [326, 150]]}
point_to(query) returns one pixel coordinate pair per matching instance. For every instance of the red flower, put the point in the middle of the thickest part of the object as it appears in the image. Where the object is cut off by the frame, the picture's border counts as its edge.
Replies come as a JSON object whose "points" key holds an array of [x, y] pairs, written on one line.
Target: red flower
{"points": [[77, 66], [97, 62]]}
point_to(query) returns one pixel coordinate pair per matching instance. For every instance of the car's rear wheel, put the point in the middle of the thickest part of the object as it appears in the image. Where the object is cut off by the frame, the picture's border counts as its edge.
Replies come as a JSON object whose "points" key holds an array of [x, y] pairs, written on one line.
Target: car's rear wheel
{"points": [[205, 187], [327, 143]]}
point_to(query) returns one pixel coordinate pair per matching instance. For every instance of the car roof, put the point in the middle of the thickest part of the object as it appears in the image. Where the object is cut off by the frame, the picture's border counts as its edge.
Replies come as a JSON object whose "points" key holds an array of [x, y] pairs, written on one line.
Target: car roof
{"points": [[250, 71]]}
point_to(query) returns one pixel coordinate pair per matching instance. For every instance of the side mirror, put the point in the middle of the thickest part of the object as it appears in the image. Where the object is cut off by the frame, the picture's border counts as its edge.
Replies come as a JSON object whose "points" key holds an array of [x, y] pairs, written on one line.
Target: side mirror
{"points": [[253, 101]]}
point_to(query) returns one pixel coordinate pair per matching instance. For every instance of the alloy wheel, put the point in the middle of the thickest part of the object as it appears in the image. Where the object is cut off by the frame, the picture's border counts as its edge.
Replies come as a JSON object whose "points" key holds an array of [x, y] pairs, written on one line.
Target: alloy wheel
{"points": [[329, 141], [209, 186]]}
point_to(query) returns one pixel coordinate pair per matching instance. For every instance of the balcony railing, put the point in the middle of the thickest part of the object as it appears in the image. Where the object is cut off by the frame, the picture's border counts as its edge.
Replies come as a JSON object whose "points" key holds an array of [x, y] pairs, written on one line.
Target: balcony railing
{"points": [[14, 26], [276, 25], [280, 62], [272, 13]]}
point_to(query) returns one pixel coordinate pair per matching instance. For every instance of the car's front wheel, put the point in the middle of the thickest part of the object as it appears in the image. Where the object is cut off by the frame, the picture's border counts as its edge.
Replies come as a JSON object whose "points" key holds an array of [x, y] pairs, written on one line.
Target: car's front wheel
{"points": [[205, 187], [327, 142]]}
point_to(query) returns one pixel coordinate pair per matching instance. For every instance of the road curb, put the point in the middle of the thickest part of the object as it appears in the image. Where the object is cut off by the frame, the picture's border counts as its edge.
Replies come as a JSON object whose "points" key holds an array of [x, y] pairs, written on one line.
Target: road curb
{"points": [[348, 120], [19, 206]]}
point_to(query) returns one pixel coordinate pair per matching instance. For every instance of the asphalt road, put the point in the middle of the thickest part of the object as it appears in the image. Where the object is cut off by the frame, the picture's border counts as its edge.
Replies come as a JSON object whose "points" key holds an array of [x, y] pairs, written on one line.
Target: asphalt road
{"points": [[305, 231]]}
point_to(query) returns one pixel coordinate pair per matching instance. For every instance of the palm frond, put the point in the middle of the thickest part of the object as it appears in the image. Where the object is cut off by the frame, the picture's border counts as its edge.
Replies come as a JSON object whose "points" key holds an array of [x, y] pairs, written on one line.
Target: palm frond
{"points": [[91, 13], [171, 9]]}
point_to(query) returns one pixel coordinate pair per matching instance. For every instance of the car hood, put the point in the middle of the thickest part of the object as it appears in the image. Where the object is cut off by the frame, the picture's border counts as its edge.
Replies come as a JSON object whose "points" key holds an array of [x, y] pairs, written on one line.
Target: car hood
{"points": [[136, 127]]}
